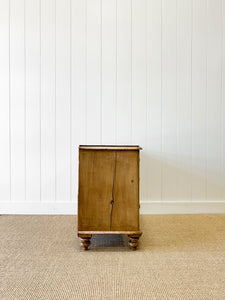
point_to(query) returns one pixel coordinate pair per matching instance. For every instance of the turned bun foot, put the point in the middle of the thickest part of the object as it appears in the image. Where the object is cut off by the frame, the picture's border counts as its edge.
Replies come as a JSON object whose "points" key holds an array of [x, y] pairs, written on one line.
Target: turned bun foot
{"points": [[85, 241], [134, 241]]}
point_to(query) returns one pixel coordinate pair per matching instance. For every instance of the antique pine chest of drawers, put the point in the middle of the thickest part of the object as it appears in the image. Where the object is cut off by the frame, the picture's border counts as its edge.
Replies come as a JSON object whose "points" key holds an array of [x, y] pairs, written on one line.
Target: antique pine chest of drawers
{"points": [[108, 194]]}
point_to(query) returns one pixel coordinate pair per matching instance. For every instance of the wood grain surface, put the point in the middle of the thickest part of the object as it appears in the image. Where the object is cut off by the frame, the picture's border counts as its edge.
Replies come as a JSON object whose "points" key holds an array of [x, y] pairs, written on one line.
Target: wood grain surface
{"points": [[108, 198]]}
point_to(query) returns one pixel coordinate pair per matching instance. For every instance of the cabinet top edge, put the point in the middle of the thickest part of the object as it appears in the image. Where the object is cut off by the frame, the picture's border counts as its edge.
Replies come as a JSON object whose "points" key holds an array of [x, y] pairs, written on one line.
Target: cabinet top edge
{"points": [[109, 147]]}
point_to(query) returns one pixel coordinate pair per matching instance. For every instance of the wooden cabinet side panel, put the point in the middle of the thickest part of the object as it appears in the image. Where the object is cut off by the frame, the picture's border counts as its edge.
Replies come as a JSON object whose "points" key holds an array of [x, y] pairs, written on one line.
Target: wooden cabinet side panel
{"points": [[126, 204], [108, 196], [95, 189]]}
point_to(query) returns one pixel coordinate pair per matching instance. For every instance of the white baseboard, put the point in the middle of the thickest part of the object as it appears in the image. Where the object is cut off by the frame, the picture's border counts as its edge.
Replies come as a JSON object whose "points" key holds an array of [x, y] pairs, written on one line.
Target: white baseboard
{"points": [[182, 207], [147, 207], [50, 208]]}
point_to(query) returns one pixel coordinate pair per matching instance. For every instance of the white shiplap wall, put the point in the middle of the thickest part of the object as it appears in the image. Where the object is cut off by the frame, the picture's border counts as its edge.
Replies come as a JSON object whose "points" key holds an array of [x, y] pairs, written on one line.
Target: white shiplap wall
{"points": [[144, 72]]}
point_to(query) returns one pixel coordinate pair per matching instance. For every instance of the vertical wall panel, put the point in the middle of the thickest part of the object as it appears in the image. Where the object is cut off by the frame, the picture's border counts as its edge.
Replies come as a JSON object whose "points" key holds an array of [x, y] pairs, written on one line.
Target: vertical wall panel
{"points": [[4, 103], [199, 85], [223, 101], [154, 99], [124, 98], [32, 99], [108, 71], [48, 108], [17, 103], [78, 85], [139, 108], [139, 72], [214, 100], [63, 192], [94, 107], [184, 100], [169, 100]]}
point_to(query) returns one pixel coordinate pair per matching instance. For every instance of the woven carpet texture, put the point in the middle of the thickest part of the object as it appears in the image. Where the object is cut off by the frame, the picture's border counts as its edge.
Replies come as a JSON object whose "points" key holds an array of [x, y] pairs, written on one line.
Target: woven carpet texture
{"points": [[179, 257]]}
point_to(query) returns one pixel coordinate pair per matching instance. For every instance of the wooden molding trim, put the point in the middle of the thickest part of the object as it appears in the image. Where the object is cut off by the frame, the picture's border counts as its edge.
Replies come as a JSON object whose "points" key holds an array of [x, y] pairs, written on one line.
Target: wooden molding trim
{"points": [[86, 233], [109, 147]]}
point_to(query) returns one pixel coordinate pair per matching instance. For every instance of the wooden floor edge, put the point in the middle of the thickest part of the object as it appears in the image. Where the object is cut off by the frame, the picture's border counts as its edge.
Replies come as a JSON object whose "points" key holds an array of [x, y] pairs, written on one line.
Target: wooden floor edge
{"points": [[137, 232]]}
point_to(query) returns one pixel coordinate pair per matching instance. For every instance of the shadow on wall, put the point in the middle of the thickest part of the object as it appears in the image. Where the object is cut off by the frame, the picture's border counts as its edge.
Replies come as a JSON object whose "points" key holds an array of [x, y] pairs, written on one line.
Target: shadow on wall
{"points": [[166, 178]]}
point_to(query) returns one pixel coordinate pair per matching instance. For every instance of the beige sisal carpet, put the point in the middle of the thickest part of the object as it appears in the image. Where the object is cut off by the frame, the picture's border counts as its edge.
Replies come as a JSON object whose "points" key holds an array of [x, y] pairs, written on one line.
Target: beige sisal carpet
{"points": [[180, 257]]}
